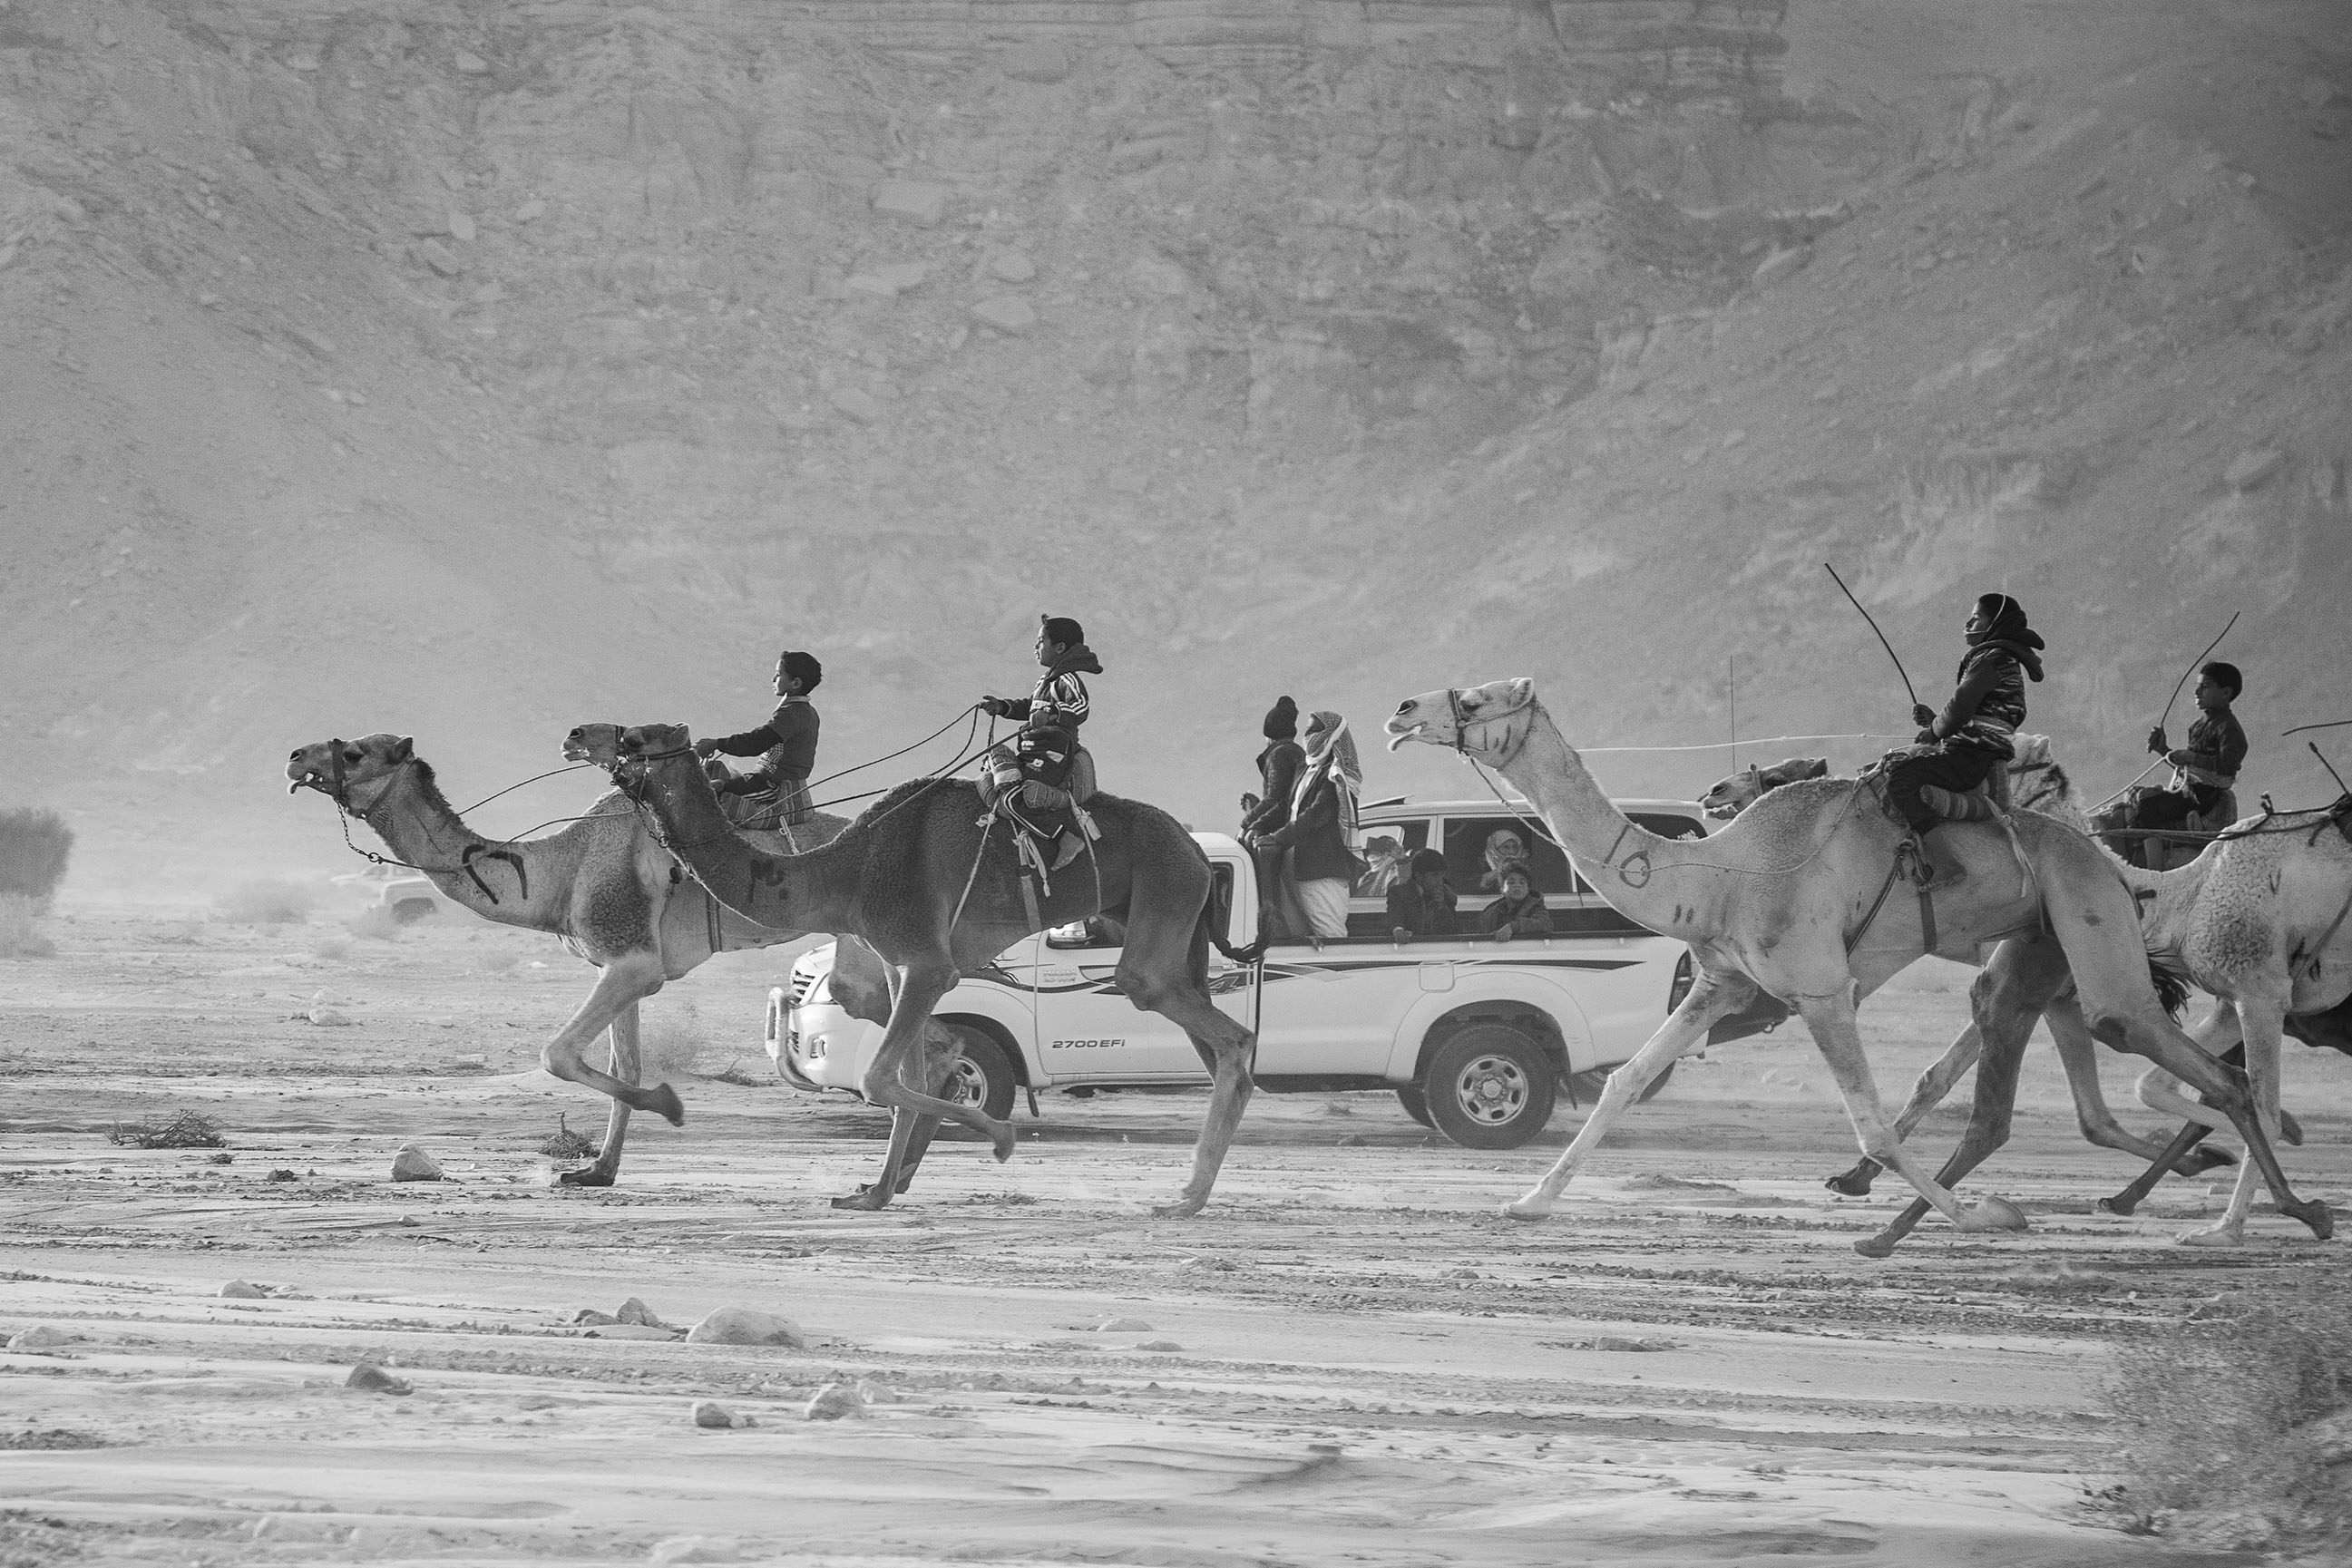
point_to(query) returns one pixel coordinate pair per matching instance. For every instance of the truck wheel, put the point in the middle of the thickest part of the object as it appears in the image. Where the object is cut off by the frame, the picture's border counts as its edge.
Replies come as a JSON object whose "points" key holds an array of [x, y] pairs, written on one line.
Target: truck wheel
{"points": [[409, 911], [1585, 1087], [1415, 1104], [1490, 1087], [982, 1075]]}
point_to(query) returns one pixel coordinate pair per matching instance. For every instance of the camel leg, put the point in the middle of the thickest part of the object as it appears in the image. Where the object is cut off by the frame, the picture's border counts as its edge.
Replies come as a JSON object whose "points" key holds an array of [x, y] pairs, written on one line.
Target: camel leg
{"points": [[1712, 996], [1927, 1094], [1831, 1018], [2078, 1053], [2221, 1035], [2004, 1003], [1225, 1046], [932, 1068], [2121, 1009], [919, 988], [607, 1167], [2187, 1138], [2262, 1019], [623, 983]]}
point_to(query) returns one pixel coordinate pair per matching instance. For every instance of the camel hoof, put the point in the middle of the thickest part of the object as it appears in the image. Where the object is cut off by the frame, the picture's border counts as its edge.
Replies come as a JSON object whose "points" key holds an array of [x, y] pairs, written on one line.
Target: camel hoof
{"points": [[1880, 1246], [1995, 1214], [586, 1175], [661, 1097], [2198, 1161], [1528, 1209], [2313, 1213], [2290, 1130], [1854, 1182], [2219, 1235], [1001, 1139], [867, 1198], [1182, 1209], [2117, 1205]]}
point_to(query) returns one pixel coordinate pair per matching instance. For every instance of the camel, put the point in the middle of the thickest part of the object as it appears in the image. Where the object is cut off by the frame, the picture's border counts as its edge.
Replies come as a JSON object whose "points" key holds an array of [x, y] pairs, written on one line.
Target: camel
{"points": [[928, 879], [600, 884], [2035, 781], [1794, 899]]}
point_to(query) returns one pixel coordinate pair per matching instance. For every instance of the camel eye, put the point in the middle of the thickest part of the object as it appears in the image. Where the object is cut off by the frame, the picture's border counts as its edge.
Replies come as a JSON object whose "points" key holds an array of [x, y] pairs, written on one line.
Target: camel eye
{"points": [[353, 754]]}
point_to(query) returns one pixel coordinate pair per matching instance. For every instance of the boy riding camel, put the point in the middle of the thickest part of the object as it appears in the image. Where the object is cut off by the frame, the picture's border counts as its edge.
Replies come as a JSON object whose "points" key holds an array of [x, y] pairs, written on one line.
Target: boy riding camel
{"points": [[1055, 771], [1958, 747], [786, 746]]}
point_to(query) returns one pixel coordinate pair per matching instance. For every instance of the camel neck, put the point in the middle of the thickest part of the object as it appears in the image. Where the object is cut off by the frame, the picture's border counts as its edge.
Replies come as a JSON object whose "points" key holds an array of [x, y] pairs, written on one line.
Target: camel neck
{"points": [[493, 879], [1609, 849], [811, 892]]}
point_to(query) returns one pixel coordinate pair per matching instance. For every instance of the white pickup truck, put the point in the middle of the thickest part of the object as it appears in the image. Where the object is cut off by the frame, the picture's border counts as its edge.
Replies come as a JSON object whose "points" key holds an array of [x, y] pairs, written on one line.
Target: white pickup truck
{"points": [[1478, 1038]]}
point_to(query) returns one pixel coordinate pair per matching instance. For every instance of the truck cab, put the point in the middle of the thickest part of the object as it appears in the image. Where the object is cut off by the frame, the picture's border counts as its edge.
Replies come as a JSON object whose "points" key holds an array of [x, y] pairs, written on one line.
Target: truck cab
{"points": [[1478, 1038]]}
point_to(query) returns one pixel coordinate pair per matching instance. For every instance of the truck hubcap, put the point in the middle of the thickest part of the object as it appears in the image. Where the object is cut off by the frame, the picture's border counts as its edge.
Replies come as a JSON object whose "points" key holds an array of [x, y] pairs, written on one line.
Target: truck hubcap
{"points": [[1492, 1090]]}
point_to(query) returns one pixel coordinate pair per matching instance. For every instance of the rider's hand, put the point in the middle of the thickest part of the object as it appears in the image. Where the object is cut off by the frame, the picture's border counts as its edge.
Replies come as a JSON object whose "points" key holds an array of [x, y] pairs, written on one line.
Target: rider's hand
{"points": [[2177, 758], [993, 706], [706, 748], [1925, 738], [1502, 932], [2156, 741], [1922, 715], [1402, 933]]}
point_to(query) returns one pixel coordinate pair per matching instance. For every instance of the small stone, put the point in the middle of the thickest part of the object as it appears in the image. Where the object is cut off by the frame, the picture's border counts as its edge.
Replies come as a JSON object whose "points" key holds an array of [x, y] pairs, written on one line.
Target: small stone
{"points": [[281, 1174], [1006, 313], [711, 1413], [1039, 60], [859, 406], [413, 1163], [833, 1401], [472, 65], [918, 202], [461, 226], [694, 1548], [743, 1325], [322, 1014], [1011, 266], [1158, 1344], [371, 1378], [2251, 469], [591, 1317], [1122, 1326], [635, 1310], [531, 210], [106, 36], [242, 1290], [435, 255], [1460, 1274], [1349, 1141], [1780, 264], [40, 1336]]}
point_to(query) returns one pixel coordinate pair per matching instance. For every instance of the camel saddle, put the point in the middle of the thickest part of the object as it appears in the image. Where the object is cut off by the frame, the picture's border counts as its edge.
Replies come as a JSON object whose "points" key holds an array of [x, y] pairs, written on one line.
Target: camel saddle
{"points": [[1036, 781]]}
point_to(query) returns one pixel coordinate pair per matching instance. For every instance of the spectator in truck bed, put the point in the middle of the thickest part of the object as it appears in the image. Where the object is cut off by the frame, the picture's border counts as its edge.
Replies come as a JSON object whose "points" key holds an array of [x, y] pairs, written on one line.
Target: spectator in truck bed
{"points": [[1520, 911], [1322, 815], [1423, 906]]}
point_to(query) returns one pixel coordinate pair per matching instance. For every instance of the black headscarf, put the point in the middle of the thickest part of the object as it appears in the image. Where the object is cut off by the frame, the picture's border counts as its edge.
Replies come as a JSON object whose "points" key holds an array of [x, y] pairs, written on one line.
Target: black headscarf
{"points": [[1281, 720], [2008, 631]]}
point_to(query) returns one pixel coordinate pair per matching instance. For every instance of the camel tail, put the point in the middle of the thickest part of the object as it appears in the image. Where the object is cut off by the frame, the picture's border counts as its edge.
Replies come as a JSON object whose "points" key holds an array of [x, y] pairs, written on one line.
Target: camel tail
{"points": [[2172, 987], [1216, 915]]}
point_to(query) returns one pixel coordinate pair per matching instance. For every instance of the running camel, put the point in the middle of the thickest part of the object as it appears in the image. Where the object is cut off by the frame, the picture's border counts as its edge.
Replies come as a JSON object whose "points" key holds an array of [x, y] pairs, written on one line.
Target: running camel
{"points": [[600, 884], [929, 879], [1791, 899]]}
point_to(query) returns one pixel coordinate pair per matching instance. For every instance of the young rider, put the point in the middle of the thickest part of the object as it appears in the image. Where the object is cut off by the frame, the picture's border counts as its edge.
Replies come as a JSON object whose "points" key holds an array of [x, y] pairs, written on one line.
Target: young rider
{"points": [[785, 744], [1057, 703], [1970, 737], [2207, 768]]}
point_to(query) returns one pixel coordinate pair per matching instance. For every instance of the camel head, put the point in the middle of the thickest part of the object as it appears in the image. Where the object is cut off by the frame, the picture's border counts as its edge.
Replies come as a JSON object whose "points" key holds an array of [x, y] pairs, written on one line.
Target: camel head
{"points": [[336, 767], [1734, 794], [614, 747], [1488, 723]]}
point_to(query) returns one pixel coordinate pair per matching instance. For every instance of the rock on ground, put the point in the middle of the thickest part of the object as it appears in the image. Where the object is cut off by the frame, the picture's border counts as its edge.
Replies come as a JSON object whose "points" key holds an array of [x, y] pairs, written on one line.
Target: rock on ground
{"points": [[371, 1378], [718, 1417], [833, 1401], [743, 1325], [242, 1290], [413, 1163]]}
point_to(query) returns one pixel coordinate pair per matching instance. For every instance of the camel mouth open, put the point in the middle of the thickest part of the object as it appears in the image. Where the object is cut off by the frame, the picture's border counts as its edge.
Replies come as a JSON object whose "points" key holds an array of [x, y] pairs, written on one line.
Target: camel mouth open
{"points": [[1410, 732], [309, 779]]}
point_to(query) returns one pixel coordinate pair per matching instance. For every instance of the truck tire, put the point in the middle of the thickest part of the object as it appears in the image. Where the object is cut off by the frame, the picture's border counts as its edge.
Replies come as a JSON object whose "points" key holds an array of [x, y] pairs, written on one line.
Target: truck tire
{"points": [[1489, 1087], [1415, 1104], [982, 1075], [1585, 1087], [409, 911]]}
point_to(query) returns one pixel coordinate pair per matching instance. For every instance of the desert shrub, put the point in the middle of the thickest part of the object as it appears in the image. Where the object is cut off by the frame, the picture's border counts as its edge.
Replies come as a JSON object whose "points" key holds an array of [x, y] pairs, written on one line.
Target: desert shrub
{"points": [[374, 924], [330, 946], [563, 1143], [21, 935], [670, 1042], [34, 847], [187, 1130], [2235, 1429], [265, 902]]}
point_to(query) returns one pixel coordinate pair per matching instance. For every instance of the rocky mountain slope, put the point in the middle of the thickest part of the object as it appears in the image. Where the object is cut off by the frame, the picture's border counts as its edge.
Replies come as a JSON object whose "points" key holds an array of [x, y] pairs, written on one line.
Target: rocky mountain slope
{"points": [[473, 373]]}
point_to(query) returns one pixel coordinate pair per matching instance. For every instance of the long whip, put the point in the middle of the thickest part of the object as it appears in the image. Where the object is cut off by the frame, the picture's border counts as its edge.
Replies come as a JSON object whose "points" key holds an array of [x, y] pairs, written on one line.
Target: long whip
{"points": [[2331, 724], [2192, 670], [1874, 627]]}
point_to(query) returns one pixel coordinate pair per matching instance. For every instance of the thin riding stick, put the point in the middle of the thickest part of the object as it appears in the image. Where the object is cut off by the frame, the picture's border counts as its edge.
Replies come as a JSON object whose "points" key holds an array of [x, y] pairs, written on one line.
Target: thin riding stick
{"points": [[2330, 767], [1874, 627], [2192, 670], [2331, 724]]}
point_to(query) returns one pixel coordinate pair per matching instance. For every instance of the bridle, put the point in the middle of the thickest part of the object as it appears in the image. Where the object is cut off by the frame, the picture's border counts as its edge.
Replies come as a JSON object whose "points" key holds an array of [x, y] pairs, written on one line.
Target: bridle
{"points": [[1513, 743], [338, 790]]}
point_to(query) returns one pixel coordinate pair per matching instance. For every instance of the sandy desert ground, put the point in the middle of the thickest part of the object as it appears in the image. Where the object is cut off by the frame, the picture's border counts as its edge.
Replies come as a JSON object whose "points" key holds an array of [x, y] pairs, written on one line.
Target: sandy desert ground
{"points": [[1350, 1359]]}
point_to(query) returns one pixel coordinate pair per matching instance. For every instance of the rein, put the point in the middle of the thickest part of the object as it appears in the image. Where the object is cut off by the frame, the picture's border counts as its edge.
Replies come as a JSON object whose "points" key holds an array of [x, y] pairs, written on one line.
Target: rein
{"points": [[339, 791]]}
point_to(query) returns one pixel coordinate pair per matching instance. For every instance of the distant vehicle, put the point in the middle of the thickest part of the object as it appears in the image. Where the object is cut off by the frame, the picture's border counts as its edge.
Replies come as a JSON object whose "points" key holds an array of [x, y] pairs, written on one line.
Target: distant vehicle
{"points": [[408, 896], [1477, 1038]]}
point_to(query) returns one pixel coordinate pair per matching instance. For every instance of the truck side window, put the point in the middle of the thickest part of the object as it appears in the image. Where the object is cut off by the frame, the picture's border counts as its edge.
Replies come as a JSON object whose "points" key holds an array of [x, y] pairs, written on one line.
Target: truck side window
{"points": [[1476, 846], [1384, 848]]}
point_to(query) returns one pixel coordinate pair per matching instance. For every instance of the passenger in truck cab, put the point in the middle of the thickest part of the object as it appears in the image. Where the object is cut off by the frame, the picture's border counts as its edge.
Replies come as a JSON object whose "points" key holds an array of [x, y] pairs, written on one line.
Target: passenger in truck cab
{"points": [[1423, 905], [1504, 849], [1520, 911]]}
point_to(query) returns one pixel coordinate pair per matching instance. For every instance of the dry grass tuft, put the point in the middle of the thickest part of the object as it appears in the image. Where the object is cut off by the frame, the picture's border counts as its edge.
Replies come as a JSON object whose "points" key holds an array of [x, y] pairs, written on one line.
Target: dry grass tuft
{"points": [[563, 1143], [671, 1042], [2236, 1426], [21, 935], [265, 902], [186, 1131], [35, 845], [55, 1437]]}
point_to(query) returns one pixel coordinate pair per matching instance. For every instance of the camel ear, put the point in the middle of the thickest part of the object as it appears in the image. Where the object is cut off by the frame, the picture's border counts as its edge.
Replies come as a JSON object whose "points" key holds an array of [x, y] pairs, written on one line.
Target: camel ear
{"points": [[403, 748], [1523, 691]]}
